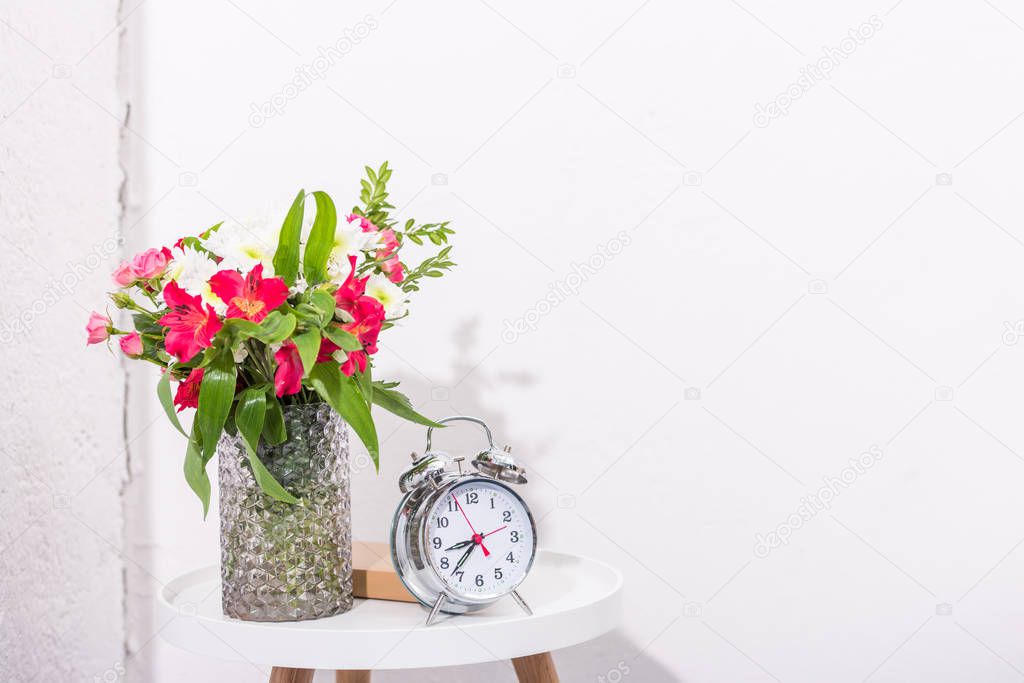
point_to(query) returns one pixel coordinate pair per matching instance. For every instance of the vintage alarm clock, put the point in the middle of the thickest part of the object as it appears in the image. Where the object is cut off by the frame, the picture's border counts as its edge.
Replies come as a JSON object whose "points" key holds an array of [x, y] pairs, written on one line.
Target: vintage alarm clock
{"points": [[462, 541]]}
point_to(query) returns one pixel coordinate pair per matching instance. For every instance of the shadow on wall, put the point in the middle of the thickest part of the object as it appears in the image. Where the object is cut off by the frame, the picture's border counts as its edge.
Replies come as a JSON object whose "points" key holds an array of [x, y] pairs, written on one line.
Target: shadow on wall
{"points": [[474, 387]]}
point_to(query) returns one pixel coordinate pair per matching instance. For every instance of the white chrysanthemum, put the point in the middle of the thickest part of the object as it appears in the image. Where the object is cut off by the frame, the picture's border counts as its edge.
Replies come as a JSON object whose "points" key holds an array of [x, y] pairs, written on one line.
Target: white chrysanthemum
{"points": [[388, 294], [349, 240], [242, 248], [192, 270]]}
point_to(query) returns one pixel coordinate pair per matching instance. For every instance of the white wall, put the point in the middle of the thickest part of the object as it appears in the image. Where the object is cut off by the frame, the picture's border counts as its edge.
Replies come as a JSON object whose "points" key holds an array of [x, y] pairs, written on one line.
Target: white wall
{"points": [[62, 407], [791, 296]]}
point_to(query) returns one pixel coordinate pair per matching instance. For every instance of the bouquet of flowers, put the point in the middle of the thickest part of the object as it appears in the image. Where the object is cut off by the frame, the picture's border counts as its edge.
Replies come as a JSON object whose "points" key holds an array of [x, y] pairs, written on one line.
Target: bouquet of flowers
{"points": [[244, 323]]}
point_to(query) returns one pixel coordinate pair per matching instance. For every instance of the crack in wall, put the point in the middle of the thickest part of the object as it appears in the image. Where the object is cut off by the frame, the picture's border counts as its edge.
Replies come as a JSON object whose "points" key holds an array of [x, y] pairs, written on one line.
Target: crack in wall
{"points": [[123, 158]]}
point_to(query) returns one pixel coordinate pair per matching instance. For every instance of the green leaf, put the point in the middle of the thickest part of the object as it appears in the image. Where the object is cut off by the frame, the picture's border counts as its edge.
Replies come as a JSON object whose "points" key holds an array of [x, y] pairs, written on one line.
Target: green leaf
{"points": [[308, 344], [252, 407], [346, 340], [215, 395], [195, 469], [273, 422], [325, 303], [398, 403], [273, 329], [321, 239], [163, 392], [345, 397], [365, 381], [286, 259]]}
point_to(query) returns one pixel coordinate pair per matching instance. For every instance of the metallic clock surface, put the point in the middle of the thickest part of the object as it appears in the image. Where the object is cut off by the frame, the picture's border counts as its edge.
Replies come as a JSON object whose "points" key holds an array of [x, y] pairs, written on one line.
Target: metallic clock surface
{"points": [[479, 539], [461, 541]]}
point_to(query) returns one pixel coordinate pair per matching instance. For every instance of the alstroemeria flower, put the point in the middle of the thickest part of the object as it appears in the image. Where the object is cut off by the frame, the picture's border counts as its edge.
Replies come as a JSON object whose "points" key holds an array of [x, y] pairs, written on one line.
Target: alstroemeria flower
{"points": [[251, 298], [150, 263], [288, 376], [388, 294], [123, 275], [242, 248], [131, 345], [356, 359], [368, 316], [192, 326], [327, 350], [98, 328], [352, 288], [187, 394]]}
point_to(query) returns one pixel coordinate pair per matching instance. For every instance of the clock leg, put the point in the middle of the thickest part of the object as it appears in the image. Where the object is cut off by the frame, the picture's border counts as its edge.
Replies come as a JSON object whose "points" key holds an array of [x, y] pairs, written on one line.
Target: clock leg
{"points": [[522, 603], [436, 608], [538, 668], [284, 674], [352, 677]]}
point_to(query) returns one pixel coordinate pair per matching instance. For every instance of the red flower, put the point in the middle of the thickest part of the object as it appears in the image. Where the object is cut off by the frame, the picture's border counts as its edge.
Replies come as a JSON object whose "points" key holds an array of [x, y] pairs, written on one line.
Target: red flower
{"points": [[366, 317], [187, 395], [352, 288], [252, 298], [368, 314], [288, 377], [356, 359], [192, 326], [327, 349]]}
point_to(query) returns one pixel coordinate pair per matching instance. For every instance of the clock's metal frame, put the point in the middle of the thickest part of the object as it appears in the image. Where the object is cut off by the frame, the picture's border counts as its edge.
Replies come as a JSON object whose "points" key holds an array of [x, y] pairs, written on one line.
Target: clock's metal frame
{"points": [[425, 484]]}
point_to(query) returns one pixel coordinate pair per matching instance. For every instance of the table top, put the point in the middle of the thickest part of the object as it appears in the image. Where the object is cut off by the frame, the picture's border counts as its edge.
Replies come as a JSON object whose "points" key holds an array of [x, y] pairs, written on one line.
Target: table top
{"points": [[574, 599]]}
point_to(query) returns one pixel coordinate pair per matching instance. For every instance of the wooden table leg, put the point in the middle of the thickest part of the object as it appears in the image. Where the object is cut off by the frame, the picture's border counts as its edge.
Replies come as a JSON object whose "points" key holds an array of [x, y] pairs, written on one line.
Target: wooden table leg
{"points": [[284, 674], [536, 668], [352, 677]]}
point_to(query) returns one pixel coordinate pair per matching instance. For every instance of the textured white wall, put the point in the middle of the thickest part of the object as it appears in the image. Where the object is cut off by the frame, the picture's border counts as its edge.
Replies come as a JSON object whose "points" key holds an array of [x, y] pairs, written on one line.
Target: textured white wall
{"points": [[796, 290], [61, 415]]}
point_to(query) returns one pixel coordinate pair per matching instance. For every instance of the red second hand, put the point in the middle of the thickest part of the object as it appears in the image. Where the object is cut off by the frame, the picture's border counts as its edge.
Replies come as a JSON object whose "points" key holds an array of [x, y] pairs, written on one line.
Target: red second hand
{"points": [[477, 538]]}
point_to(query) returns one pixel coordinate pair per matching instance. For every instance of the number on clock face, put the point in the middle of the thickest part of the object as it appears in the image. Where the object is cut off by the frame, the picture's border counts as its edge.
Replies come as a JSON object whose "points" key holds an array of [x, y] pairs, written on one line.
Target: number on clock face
{"points": [[479, 539]]}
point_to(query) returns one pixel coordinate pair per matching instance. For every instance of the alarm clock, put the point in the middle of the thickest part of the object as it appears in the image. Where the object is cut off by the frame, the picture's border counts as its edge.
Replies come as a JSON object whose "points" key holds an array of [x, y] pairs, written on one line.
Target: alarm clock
{"points": [[462, 541]]}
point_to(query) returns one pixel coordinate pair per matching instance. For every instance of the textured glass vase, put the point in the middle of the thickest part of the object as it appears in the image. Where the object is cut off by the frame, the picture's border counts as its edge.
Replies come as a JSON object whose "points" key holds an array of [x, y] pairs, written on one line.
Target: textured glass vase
{"points": [[282, 562]]}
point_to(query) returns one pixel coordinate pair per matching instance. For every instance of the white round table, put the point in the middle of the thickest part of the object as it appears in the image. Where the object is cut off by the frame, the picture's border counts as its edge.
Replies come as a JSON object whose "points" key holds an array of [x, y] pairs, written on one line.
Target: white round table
{"points": [[574, 599]]}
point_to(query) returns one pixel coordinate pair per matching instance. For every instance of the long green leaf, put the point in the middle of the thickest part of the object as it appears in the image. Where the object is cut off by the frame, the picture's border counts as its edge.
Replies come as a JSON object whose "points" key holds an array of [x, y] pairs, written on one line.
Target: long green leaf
{"points": [[321, 239], [286, 259], [249, 414], [163, 392], [215, 394], [398, 403], [195, 469], [274, 430], [344, 396], [308, 344], [364, 380]]}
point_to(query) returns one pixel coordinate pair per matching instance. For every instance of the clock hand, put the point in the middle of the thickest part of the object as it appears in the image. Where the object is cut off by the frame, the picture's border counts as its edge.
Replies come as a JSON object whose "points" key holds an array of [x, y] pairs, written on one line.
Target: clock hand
{"points": [[495, 531], [477, 538], [462, 560], [464, 516], [460, 544]]}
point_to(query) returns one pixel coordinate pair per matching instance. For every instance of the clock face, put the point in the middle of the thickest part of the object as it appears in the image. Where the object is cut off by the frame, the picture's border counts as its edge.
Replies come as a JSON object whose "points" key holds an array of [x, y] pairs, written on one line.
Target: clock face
{"points": [[479, 539]]}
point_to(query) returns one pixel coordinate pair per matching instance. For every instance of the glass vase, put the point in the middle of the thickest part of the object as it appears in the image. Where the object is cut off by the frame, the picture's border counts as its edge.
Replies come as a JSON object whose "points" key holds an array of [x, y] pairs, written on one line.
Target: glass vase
{"points": [[284, 562]]}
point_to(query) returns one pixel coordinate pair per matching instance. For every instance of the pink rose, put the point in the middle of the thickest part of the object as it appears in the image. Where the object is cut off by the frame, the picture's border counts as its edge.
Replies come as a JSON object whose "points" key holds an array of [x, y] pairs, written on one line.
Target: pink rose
{"points": [[131, 345], [123, 275], [98, 328], [149, 264]]}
